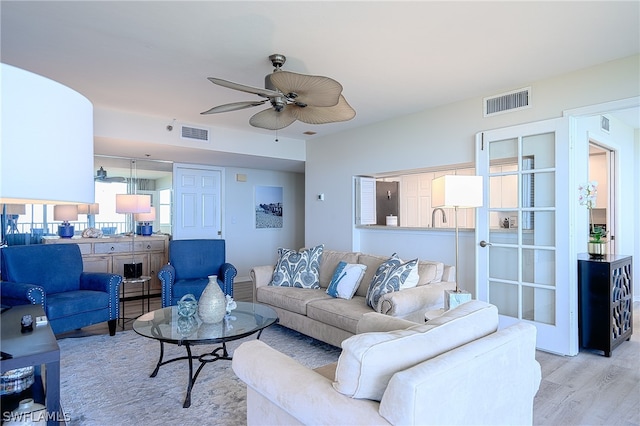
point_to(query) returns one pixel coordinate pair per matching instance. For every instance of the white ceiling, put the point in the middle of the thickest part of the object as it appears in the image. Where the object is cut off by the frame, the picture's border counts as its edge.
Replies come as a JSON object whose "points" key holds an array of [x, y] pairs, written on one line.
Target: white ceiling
{"points": [[393, 58]]}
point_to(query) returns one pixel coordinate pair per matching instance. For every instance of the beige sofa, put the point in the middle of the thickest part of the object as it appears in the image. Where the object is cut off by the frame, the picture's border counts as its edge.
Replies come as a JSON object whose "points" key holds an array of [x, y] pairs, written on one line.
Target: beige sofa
{"points": [[455, 369], [314, 313]]}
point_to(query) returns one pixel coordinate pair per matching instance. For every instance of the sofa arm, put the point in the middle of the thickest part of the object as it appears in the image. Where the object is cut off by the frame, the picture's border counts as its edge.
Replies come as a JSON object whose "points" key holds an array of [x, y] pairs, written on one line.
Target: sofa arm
{"points": [[374, 321], [12, 294], [413, 302], [105, 282], [261, 275], [300, 391], [228, 273], [449, 273], [166, 275]]}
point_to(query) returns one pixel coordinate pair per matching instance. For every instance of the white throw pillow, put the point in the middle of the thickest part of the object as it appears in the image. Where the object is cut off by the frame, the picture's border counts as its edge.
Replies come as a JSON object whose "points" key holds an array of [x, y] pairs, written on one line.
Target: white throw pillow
{"points": [[413, 278], [346, 279]]}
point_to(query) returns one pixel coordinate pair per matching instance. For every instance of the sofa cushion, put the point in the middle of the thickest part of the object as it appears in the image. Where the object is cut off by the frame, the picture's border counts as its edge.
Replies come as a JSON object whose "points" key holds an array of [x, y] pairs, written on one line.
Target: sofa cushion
{"points": [[369, 360], [389, 277], [340, 313], [372, 263], [430, 272], [68, 303], [329, 263], [298, 268], [346, 279], [290, 298]]}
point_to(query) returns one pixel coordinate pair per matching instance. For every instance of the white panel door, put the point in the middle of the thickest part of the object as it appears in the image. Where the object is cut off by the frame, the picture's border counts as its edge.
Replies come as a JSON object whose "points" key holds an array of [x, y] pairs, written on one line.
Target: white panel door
{"points": [[197, 207], [524, 266]]}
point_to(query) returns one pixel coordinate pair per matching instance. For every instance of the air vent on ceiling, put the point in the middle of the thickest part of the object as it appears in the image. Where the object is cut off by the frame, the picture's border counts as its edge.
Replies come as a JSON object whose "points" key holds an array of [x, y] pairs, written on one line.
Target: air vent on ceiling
{"points": [[507, 102], [194, 133]]}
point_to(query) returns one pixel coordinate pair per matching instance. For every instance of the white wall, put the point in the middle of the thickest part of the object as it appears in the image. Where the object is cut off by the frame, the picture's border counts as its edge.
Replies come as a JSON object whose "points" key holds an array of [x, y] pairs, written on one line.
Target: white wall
{"points": [[247, 246], [439, 136], [622, 139]]}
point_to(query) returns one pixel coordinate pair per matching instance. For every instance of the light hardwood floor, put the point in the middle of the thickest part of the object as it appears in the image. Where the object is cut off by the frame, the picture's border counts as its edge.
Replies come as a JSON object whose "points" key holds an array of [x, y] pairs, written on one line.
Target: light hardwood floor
{"points": [[587, 389], [591, 389]]}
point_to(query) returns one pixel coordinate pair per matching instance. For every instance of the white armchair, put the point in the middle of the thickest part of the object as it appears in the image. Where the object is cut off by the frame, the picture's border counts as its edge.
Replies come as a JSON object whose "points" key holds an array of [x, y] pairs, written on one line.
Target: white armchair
{"points": [[477, 376]]}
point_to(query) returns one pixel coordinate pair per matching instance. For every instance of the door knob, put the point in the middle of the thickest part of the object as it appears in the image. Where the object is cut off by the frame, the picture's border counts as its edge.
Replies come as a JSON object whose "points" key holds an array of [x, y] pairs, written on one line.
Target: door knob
{"points": [[483, 243]]}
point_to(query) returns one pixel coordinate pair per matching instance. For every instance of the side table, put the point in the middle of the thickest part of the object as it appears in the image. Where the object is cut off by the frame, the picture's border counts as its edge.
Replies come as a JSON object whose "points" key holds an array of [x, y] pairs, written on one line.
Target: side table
{"points": [[38, 347], [144, 282], [605, 301]]}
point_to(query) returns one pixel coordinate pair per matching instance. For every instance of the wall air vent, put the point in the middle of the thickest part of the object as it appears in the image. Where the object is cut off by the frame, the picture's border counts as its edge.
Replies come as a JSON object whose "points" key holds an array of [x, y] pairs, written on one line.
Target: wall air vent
{"points": [[507, 102], [604, 124], [194, 133]]}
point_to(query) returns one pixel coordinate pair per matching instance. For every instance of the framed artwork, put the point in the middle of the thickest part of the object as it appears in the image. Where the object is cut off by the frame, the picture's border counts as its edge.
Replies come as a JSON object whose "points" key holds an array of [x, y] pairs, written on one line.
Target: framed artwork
{"points": [[268, 207]]}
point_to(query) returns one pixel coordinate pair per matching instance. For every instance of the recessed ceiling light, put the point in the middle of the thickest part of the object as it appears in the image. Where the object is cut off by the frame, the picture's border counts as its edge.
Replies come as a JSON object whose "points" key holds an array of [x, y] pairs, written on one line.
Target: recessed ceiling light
{"points": [[309, 132]]}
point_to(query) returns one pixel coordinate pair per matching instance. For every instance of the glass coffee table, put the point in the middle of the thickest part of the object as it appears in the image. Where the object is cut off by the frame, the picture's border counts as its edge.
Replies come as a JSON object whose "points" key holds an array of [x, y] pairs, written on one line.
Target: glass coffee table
{"points": [[166, 326]]}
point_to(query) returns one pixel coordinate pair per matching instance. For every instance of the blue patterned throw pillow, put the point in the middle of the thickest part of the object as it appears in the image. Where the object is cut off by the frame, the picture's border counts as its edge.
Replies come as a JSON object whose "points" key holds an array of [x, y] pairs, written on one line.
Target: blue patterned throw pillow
{"points": [[298, 268], [389, 277], [345, 280]]}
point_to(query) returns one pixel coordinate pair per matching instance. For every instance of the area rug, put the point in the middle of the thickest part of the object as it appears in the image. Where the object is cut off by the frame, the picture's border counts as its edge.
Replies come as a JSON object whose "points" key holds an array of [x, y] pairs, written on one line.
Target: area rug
{"points": [[105, 380]]}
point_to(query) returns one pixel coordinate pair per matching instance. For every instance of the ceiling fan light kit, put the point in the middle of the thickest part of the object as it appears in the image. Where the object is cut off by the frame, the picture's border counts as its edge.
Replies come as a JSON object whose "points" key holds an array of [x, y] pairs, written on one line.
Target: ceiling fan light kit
{"points": [[307, 98]]}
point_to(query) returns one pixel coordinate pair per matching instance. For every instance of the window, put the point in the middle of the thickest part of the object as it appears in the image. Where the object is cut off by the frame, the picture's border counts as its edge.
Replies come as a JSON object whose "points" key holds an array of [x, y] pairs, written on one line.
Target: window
{"points": [[407, 196]]}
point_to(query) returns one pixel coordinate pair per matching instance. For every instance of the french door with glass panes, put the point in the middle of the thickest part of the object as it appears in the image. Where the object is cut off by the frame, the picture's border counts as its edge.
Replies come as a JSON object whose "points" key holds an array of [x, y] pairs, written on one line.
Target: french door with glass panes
{"points": [[522, 255]]}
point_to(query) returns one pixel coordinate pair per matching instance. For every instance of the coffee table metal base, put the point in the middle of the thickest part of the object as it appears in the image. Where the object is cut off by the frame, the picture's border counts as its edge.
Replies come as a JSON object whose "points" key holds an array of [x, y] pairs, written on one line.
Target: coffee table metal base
{"points": [[168, 327], [204, 359]]}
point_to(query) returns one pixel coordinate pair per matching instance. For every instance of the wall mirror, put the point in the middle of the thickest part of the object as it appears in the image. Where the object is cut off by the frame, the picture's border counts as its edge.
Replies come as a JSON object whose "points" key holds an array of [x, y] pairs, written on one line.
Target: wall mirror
{"points": [[29, 223]]}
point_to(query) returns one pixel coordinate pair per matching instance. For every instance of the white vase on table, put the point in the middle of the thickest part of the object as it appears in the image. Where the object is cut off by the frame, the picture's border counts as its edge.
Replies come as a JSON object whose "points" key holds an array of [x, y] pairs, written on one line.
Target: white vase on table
{"points": [[212, 305]]}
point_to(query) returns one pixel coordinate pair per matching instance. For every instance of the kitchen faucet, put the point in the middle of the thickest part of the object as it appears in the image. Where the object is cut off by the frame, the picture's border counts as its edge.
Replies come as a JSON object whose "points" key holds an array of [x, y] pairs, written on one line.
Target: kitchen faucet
{"points": [[433, 217]]}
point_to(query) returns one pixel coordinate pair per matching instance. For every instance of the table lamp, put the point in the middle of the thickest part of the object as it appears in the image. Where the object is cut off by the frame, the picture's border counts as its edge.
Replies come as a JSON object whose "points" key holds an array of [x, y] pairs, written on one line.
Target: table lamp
{"points": [[59, 131], [145, 222], [457, 191], [65, 213], [90, 210]]}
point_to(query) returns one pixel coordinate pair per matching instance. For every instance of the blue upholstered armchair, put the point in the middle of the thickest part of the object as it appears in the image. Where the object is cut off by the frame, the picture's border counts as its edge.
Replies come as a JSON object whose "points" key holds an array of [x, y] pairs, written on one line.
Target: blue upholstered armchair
{"points": [[51, 275], [190, 263]]}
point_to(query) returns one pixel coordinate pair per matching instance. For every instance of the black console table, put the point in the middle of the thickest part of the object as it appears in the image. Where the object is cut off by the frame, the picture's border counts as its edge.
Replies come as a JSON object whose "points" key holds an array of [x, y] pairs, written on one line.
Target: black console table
{"points": [[605, 306]]}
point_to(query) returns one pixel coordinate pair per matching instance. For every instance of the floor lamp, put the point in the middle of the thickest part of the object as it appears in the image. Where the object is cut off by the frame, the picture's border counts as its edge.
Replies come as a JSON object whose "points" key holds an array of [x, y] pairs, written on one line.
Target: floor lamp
{"points": [[133, 204], [456, 191]]}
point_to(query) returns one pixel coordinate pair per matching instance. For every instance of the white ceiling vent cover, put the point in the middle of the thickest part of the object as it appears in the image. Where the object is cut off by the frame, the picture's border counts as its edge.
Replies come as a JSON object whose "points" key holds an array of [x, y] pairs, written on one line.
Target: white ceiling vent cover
{"points": [[507, 102], [194, 133]]}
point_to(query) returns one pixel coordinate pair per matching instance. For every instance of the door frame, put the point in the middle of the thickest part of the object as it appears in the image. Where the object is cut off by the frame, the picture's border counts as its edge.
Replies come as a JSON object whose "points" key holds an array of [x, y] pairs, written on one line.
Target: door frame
{"points": [[562, 336]]}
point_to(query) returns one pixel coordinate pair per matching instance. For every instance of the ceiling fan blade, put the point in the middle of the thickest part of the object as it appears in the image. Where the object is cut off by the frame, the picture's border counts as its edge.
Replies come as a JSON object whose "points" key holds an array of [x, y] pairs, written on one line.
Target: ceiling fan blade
{"points": [[320, 115], [235, 106], [272, 120], [310, 89], [243, 88]]}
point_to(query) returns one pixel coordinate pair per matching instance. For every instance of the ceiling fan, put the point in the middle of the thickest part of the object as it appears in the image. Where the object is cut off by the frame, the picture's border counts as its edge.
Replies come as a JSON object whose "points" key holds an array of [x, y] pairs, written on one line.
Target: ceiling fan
{"points": [[101, 176], [308, 98]]}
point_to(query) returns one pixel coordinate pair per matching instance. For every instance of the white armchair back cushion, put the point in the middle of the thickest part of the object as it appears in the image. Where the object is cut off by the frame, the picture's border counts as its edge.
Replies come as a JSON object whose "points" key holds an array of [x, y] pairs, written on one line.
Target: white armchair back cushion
{"points": [[369, 360]]}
